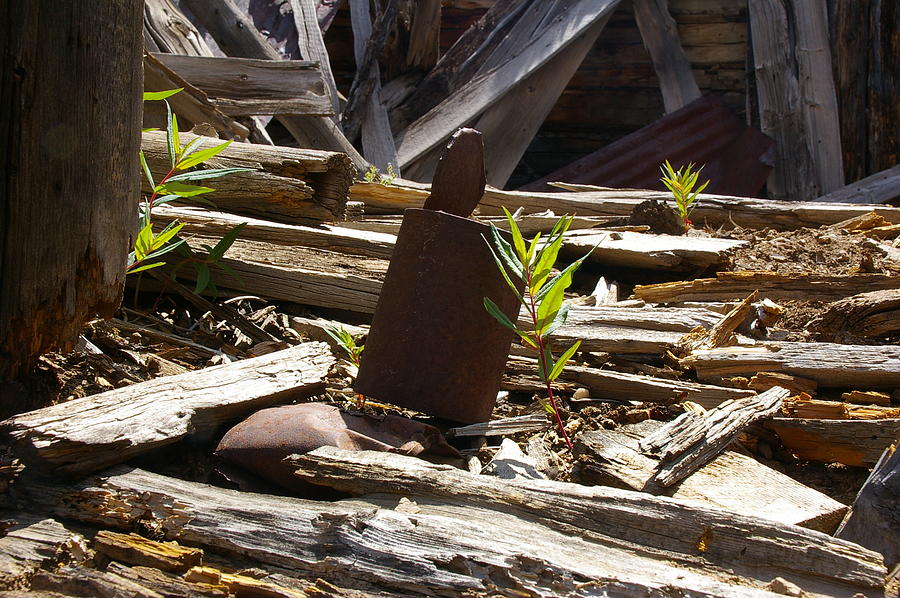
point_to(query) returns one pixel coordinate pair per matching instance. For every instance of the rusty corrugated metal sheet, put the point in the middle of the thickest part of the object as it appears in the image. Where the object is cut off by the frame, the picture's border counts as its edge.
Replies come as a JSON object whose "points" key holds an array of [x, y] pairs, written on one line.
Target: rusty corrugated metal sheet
{"points": [[738, 158]]}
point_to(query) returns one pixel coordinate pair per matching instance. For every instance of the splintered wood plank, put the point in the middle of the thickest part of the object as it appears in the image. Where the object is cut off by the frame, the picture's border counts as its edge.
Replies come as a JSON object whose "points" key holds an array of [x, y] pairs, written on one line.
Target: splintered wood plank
{"points": [[873, 517], [830, 365], [285, 184], [93, 432], [138, 550], [454, 547], [654, 523], [856, 442], [735, 286], [732, 481], [247, 86], [687, 443], [657, 252], [27, 545]]}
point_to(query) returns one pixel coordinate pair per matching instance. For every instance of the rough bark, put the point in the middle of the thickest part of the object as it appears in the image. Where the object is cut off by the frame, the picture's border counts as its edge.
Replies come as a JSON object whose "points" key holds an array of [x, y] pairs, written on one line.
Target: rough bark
{"points": [[68, 203]]}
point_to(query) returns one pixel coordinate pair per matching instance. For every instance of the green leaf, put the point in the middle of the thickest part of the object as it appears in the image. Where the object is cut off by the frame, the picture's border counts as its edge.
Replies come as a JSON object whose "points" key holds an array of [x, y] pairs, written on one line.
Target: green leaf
{"points": [[212, 173], [166, 249], [498, 315], [227, 270], [143, 267], [531, 248], [160, 95], [146, 168], [143, 241], [506, 253], [180, 189], [150, 129], [544, 265], [504, 274], [568, 272], [202, 156], [518, 241], [561, 362], [176, 140], [167, 233], [203, 278], [226, 241], [550, 305], [164, 200], [558, 320], [170, 136]]}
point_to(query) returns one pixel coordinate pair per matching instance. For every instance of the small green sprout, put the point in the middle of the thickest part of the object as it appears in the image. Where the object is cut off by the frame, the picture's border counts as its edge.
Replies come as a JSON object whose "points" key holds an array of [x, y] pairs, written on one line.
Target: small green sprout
{"points": [[147, 245], [681, 183], [348, 343], [373, 176], [543, 299]]}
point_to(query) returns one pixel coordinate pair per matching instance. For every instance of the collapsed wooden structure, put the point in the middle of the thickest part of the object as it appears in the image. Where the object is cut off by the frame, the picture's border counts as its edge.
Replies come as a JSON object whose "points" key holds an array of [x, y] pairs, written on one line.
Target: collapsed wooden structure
{"points": [[664, 516]]}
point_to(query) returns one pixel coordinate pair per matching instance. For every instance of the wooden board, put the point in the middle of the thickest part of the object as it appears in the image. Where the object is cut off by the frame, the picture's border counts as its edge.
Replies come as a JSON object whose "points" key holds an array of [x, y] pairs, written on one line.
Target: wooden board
{"points": [[247, 86], [735, 286], [655, 252], [859, 443], [732, 481], [830, 365], [28, 544], [90, 433]]}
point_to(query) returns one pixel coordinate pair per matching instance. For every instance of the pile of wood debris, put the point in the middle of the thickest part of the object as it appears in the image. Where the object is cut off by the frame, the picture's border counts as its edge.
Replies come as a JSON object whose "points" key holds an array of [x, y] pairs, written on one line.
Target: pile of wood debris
{"points": [[732, 391]]}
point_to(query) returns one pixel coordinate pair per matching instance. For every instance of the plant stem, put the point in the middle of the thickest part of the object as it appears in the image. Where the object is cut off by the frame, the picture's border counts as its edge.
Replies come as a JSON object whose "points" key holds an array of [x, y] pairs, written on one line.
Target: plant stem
{"points": [[542, 355]]}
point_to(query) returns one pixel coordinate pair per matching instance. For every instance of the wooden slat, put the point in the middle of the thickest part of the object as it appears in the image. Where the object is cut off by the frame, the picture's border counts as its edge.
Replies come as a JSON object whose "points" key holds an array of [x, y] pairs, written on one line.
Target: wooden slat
{"points": [[859, 443], [881, 187], [246, 86], [93, 432]]}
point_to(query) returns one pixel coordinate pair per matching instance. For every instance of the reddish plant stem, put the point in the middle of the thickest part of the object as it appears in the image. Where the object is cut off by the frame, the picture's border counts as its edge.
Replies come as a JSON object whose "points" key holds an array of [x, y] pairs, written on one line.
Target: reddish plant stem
{"points": [[542, 352]]}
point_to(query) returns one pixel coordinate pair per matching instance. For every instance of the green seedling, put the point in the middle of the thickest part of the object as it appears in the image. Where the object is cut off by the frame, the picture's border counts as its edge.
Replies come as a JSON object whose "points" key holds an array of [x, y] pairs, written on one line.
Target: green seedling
{"points": [[348, 343], [543, 298], [681, 183], [373, 176], [148, 246]]}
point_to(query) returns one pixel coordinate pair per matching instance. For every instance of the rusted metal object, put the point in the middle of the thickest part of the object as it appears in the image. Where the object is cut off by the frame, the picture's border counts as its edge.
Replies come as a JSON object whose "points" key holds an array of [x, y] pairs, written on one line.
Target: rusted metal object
{"points": [[259, 444], [737, 158], [432, 346]]}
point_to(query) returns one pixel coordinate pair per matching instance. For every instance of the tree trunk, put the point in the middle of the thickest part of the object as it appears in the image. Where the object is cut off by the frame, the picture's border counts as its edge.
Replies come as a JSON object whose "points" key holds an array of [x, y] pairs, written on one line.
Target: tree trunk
{"points": [[70, 83]]}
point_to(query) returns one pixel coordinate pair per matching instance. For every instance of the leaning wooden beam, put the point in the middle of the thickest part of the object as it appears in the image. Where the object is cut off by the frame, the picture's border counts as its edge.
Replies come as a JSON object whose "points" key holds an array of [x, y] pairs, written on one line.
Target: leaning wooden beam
{"points": [[586, 200], [236, 35], [876, 508], [453, 548], [735, 286], [818, 100], [471, 100], [693, 439], [245, 86], [287, 184], [312, 45], [780, 112], [622, 386], [94, 432], [855, 442], [732, 481], [880, 188], [659, 525], [830, 365], [166, 29], [660, 35]]}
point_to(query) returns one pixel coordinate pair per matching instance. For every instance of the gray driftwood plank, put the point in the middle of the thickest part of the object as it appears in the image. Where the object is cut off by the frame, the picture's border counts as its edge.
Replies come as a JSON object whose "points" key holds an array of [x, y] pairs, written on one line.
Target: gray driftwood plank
{"points": [[693, 439], [94, 432]]}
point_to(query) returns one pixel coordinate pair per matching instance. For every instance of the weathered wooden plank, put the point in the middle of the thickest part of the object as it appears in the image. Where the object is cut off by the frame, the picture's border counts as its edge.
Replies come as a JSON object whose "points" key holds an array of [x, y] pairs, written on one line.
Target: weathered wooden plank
{"points": [[588, 200], [467, 102], [780, 113], [286, 184], [27, 545], [872, 314], [690, 441], [246, 86], [879, 188], [660, 35], [732, 481], [734, 286], [167, 29], [338, 239], [657, 252], [454, 549], [312, 45], [659, 523], [856, 442], [874, 518], [93, 432], [830, 365]]}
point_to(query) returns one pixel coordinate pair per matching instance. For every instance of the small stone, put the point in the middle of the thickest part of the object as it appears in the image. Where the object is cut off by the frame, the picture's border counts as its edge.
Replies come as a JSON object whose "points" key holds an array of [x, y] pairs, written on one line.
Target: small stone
{"points": [[780, 585], [581, 393]]}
